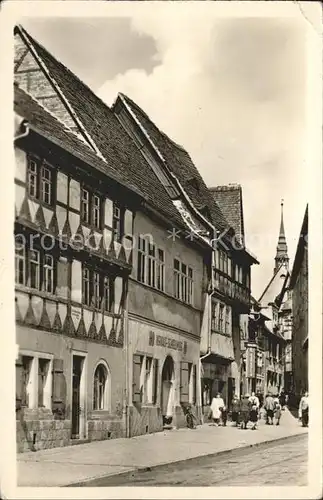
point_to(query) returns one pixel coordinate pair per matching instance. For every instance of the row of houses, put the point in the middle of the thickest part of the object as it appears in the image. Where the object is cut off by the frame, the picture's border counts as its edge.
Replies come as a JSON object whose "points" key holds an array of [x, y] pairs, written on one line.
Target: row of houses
{"points": [[132, 278], [277, 347]]}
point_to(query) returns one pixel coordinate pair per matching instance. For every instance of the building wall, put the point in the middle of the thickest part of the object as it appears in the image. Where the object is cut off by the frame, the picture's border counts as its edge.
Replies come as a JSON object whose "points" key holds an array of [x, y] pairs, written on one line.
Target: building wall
{"points": [[51, 431], [54, 325], [300, 328], [160, 325]]}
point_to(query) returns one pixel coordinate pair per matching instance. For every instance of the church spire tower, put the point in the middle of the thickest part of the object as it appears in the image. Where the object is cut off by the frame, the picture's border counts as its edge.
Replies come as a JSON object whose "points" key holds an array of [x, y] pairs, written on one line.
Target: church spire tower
{"points": [[282, 252]]}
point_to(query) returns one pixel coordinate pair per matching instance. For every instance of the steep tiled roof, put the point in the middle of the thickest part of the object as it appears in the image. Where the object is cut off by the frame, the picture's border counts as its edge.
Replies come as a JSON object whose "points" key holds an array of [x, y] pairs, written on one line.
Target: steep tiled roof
{"points": [[181, 165], [108, 135], [230, 200], [55, 131]]}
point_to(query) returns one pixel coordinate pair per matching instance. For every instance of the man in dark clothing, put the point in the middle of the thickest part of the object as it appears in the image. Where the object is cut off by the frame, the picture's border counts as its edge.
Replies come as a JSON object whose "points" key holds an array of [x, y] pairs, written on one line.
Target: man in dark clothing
{"points": [[269, 407], [244, 411], [235, 405]]}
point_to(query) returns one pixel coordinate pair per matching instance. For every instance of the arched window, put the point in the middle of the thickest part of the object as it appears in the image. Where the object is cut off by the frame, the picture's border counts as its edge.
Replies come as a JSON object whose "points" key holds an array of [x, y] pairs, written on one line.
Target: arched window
{"points": [[100, 389]]}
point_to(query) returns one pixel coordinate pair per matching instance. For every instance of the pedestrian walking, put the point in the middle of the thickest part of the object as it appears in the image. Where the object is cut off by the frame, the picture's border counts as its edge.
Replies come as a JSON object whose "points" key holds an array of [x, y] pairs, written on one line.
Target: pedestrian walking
{"points": [[217, 405], [269, 407], [235, 405], [303, 410], [254, 409], [245, 411], [277, 409], [224, 416], [282, 399]]}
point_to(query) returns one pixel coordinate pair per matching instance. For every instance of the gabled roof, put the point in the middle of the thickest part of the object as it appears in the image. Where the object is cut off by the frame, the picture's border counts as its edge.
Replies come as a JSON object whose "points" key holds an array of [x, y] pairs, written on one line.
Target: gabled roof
{"points": [[179, 162], [109, 137], [275, 286], [301, 246], [229, 198], [47, 125]]}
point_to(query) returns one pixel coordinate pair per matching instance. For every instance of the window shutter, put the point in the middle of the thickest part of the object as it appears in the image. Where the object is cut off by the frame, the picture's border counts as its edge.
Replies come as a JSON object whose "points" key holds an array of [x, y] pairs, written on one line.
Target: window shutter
{"points": [[19, 382], [136, 394], [184, 387], [58, 388], [155, 387], [194, 384]]}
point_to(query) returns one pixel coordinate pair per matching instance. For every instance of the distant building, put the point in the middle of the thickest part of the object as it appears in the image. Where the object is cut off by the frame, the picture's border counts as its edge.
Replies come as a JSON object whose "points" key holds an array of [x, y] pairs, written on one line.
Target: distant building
{"points": [[299, 287], [275, 307]]}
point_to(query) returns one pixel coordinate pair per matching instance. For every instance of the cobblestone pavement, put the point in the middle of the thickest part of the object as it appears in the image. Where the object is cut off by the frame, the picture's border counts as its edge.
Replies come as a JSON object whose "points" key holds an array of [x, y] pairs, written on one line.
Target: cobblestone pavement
{"points": [[280, 464]]}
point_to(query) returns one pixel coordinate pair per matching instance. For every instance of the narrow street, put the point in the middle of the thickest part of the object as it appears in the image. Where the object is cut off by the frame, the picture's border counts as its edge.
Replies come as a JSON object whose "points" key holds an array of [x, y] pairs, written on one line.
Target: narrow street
{"points": [[265, 465]]}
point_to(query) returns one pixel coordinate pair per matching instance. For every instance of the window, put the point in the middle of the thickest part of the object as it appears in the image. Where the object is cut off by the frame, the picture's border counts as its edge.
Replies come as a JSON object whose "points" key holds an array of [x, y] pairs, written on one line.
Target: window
{"points": [[20, 261], [227, 320], [48, 273], [150, 264], [34, 266], [214, 319], [26, 371], [43, 368], [97, 289], [40, 181], [183, 282], [160, 270], [100, 387], [85, 206], [91, 208], [141, 265], [117, 223], [86, 292], [221, 318], [145, 379], [36, 380]]}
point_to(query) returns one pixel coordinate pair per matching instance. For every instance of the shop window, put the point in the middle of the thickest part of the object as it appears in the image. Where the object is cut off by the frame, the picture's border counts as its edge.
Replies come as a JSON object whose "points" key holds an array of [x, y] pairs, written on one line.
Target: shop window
{"points": [[100, 388], [145, 379], [155, 382], [206, 387]]}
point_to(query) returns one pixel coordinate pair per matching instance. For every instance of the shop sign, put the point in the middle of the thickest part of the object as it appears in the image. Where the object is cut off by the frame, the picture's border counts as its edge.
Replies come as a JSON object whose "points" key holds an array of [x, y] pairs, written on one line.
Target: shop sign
{"points": [[165, 342]]}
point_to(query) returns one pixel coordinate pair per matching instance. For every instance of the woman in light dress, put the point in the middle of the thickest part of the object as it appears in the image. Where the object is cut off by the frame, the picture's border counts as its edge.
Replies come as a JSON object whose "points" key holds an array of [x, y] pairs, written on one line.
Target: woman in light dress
{"points": [[216, 408]]}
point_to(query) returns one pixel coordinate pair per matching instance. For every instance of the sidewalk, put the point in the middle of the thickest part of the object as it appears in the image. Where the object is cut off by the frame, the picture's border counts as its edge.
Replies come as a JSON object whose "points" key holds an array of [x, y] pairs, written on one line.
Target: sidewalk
{"points": [[78, 463]]}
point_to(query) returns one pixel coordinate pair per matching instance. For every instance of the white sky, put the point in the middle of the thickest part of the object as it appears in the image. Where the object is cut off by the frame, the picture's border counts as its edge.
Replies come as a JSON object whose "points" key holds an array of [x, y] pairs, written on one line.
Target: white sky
{"points": [[232, 91]]}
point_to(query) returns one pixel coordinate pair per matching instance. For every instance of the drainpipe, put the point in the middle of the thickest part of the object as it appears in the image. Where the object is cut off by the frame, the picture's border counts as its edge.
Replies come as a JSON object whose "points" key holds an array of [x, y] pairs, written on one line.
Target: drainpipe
{"points": [[126, 344], [23, 134], [25, 125], [209, 333]]}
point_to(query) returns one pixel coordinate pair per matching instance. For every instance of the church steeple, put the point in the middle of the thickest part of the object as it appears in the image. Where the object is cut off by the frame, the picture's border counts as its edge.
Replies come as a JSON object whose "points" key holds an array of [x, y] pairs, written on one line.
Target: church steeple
{"points": [[282, 252]]}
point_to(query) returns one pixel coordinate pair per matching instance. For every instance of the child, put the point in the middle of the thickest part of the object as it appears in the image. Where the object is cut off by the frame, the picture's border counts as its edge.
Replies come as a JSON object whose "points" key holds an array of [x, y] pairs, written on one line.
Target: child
{"points": [[224, 416], [277, 410]]}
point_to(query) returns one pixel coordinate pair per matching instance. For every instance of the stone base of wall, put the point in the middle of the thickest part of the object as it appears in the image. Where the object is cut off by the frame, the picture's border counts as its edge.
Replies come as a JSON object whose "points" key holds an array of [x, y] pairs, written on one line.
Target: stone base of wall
{"points": [[104, 427], [145, 420], [37, 430]]}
